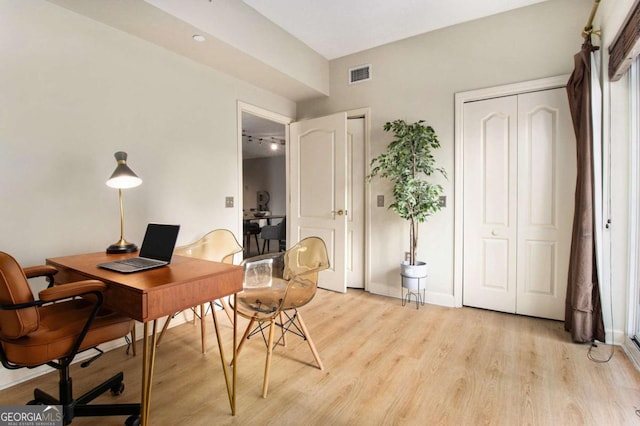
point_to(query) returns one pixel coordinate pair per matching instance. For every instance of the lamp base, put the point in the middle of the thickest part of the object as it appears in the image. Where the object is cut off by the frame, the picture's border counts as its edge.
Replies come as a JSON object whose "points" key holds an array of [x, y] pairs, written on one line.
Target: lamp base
{"points": [[122, 247]]}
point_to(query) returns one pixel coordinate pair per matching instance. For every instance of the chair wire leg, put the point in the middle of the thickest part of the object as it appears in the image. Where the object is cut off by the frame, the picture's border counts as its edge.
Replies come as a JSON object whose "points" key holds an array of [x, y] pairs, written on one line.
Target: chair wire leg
{"points": [[131, 341], [284, 332], [290, 326]]}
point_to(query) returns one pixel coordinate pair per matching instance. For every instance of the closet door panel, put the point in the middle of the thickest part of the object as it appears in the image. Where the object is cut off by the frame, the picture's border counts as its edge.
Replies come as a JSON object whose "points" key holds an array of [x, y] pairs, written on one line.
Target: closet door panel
{"points": [[546, 184], [490, 187]]}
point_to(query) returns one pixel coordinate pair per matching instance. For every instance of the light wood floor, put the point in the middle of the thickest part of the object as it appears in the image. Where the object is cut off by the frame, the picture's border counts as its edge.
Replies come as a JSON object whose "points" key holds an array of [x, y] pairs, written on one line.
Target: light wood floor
{"points": [[384, 364]]}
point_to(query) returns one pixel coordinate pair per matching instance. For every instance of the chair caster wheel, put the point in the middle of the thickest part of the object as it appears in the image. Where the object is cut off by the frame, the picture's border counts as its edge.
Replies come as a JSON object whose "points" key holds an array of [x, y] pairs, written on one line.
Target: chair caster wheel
{"points": [[132, 421], [117, 389]]}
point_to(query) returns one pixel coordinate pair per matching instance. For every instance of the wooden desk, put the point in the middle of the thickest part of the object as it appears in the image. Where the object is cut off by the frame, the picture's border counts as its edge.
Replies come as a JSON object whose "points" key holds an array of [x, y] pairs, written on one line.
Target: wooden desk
{"points": [[149, 295]]}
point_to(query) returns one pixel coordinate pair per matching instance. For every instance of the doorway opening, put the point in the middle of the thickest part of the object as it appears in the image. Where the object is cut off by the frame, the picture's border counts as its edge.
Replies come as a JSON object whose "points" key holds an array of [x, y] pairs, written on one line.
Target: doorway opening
{"points": [[263, 190]]}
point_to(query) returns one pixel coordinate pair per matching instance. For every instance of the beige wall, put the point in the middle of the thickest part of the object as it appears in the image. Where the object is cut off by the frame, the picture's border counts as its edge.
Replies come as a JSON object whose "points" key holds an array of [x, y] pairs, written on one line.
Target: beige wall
{"points": [[416, 79], [72, 93]]}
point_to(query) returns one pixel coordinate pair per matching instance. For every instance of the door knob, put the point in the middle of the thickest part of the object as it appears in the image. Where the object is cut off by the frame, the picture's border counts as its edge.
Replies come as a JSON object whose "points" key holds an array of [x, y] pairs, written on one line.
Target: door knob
{"points": [[494, 233], [339, 212]]}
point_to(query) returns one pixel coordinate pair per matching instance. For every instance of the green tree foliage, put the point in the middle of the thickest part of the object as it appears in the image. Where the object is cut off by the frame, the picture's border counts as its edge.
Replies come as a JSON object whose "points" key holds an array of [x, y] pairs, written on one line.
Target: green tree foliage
{"points": [[408, 163]]}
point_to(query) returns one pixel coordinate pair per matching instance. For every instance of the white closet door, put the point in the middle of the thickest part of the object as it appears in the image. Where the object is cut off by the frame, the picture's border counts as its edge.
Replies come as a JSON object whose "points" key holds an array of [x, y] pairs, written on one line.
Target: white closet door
{"points": [[490, 202], [546, 191], [519, 183]]}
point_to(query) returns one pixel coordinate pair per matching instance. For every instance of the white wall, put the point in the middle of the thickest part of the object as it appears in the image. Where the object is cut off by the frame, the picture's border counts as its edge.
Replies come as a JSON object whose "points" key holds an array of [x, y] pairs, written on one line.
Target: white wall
{"points": [[72, 93], [416, 79]]}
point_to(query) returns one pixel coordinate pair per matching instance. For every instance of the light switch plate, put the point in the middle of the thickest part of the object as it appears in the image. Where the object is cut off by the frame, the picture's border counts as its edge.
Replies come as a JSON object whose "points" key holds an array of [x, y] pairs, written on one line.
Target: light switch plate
{"points": [[380, 201]]}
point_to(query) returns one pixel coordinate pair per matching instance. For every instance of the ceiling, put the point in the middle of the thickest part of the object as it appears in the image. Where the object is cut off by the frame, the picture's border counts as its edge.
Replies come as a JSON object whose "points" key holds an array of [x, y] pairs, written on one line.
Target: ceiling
{"points": [[335, 28], [260, 136]]}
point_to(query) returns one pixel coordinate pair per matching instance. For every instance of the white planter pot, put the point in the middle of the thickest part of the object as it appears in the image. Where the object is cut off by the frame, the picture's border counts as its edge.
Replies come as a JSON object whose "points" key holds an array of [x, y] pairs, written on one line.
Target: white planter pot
{"points": [[413, 275]]}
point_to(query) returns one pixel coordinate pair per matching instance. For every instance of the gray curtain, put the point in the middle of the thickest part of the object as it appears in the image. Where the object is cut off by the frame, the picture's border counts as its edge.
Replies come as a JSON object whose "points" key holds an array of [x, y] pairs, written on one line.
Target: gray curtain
{"points": [[583, 313]]}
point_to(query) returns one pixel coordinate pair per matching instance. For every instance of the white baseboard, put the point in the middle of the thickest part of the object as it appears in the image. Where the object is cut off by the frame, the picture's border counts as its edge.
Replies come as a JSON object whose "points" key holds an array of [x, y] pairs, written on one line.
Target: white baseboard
{"points": [[616, 337]]}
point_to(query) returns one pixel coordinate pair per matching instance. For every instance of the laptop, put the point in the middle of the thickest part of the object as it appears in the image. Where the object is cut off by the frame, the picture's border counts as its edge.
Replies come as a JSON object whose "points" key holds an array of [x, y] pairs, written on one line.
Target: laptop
{"points": [[156, 251]]}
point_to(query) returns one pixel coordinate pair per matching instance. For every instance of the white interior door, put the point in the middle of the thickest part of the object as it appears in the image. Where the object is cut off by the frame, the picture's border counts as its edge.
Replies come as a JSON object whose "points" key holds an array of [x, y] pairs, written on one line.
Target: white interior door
{"points": [[490, 201], [519, 182], [318, 180]]}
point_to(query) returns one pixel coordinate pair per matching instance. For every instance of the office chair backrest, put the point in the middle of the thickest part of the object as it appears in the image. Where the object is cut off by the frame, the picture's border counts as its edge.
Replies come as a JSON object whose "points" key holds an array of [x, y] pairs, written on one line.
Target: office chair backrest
{"points": [[14, 289], [219, 245], [282, 229]]}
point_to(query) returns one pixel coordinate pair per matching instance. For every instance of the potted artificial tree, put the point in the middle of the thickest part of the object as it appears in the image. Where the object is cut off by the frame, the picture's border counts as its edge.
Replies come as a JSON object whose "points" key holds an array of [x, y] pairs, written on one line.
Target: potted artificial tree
{"points": [[408, 163]]}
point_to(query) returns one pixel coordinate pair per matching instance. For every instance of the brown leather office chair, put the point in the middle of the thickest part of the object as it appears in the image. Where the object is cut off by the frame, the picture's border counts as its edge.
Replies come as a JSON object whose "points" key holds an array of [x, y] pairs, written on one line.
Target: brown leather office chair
{"points": [[66, 320], [219, 245], [275, 286]]}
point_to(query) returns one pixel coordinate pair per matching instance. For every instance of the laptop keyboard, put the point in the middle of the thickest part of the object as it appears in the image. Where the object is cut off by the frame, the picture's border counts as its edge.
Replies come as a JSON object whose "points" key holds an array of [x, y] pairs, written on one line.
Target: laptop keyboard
{"points": [[138, 262]]}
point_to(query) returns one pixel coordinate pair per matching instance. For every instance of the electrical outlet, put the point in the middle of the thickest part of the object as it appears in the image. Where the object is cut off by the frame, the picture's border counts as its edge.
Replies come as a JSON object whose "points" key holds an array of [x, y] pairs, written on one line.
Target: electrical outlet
{"points": [[228, 202], [443, 201], [380, 200], [407, 256]]}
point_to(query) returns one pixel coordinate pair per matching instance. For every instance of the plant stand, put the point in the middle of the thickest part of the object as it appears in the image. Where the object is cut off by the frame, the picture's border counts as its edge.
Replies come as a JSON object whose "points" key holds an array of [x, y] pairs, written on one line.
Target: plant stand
{"points": [[412, 289], [412, 278]]}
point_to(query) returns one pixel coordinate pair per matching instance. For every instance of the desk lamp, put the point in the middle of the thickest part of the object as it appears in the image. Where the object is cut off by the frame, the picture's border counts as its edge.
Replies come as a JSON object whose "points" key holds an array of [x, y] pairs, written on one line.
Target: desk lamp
{"points": [[123, 177]]}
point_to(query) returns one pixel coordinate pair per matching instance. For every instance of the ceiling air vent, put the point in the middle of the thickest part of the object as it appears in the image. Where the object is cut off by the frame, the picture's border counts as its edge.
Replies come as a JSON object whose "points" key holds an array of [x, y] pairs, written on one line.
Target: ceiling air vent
{"points": [[360, 74]]}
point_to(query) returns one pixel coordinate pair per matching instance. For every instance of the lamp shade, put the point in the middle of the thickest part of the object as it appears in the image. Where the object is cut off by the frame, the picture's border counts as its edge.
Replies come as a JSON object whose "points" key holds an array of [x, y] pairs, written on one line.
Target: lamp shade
{"points": [[123, 177]]}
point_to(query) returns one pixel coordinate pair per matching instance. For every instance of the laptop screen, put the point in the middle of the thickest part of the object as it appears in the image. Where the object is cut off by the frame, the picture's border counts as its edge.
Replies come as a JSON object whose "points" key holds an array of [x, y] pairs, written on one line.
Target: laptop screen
{"points": [[159, 241]]}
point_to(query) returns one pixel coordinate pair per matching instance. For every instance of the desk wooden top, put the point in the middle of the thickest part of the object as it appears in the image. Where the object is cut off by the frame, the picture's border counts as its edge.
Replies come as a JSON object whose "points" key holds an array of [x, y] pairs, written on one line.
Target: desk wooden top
{"points": [[155, 293]]}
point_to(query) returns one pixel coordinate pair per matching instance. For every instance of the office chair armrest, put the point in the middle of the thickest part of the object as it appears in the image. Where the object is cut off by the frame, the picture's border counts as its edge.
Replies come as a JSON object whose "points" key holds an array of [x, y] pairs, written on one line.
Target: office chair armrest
{"points": [[65, 291], [40, 271]]}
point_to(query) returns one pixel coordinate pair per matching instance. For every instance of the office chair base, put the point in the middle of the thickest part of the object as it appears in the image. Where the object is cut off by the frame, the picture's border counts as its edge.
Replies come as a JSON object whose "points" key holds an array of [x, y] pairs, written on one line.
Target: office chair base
{"points": [[79, 407]]}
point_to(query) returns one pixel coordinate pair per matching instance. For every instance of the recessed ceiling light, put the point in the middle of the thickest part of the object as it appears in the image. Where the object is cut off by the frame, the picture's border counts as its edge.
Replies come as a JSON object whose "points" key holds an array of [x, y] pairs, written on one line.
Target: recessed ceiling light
{"points": [[198, 37]]}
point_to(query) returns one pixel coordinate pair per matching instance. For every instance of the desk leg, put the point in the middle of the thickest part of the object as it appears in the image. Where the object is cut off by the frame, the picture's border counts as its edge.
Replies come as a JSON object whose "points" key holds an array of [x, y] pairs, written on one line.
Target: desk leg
{"points": [[231, 388], [148, 362], [235, 353]]}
